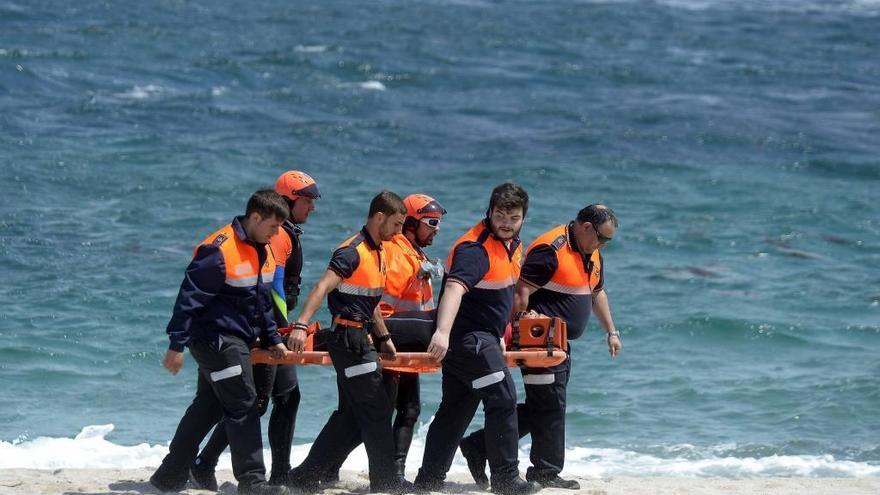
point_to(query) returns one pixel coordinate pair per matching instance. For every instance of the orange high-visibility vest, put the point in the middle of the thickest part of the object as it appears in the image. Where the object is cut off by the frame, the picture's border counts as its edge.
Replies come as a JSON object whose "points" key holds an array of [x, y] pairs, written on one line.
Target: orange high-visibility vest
{"points": [[488, 305], [357, 295], [503, 271], [241, 259], [404, 290], [571, 277]]}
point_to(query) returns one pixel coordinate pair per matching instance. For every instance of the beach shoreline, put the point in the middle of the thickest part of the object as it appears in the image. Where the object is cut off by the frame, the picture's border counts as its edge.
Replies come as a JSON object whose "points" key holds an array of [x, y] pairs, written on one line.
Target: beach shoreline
{"points": [[135, 481]]}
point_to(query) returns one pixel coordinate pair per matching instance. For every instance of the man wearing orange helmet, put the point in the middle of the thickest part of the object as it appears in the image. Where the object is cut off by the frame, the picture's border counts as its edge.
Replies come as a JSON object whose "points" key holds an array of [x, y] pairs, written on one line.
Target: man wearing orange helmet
{"points": [[276, 381], [407, 306]]}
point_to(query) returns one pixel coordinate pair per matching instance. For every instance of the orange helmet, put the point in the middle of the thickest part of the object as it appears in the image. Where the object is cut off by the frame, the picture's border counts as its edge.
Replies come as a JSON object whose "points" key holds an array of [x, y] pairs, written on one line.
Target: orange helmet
{"points": [[294, 184], [421, 206]]}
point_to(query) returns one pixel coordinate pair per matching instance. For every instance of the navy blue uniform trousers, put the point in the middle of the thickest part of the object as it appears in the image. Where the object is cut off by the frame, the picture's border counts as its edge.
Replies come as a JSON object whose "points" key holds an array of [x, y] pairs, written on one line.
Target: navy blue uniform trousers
{"points": [[280, 383], [543, 416], [364, 412], [225, 390], [474, 371]]}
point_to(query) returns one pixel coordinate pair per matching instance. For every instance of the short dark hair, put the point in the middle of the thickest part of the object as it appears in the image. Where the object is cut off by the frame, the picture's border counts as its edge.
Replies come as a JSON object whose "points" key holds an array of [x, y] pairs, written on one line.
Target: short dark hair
{"points": [[267, 203], [508, 196], [388, 203], [597, 215]]}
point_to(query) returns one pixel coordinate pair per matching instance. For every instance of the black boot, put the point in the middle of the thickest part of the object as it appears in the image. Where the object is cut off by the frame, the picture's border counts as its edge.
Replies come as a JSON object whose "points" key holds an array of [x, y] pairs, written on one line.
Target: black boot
{"points": [[476, 462], [400, 465], [425, 484], [396, 486], [168, 482], [280, 475], [299, 479], [262, 488], [516, 486], [557, 482], [202, 475]]}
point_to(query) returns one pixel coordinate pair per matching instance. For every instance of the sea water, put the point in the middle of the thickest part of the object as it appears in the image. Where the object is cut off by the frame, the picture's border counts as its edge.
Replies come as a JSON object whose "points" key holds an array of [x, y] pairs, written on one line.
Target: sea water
{"points": [[737, 142]]}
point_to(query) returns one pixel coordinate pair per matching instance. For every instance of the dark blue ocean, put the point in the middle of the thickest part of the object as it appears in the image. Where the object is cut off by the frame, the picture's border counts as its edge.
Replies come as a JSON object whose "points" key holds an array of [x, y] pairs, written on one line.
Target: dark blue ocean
{"points": [[738, 142]]}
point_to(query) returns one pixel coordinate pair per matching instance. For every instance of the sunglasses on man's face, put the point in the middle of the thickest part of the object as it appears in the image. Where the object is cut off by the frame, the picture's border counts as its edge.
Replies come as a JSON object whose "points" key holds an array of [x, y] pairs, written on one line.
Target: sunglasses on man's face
{"points": [[601, 237], [434, 223]]}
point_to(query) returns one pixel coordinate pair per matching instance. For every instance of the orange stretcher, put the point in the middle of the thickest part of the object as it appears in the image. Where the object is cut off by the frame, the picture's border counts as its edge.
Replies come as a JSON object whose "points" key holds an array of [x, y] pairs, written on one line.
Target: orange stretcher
{"points": [[532, 343]]}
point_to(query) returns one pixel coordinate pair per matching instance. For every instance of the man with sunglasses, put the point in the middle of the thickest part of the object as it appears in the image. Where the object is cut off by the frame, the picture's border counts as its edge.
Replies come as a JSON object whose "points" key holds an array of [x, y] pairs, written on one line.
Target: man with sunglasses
{"points": [[563, 276], [408, 306]]}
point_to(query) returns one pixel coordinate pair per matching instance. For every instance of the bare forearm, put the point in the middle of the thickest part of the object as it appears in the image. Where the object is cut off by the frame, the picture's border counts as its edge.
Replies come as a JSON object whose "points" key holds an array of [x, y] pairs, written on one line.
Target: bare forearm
{"points": [[311, 306], [602, 310], [449, 305], [521, 296], [326, 284], [378, 329]]}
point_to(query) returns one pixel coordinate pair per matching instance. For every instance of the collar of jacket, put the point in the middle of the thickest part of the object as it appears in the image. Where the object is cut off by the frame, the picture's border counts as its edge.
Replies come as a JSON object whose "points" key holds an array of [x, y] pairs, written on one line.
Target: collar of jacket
{"points": [[369, 240], [293, 228], [238, 228]]}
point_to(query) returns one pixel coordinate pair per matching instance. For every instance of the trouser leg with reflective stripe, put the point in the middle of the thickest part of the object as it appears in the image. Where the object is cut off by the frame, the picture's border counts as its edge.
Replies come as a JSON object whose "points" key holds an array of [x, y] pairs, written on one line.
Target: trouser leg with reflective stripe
{"points": [[543, 416], [457, 407], [202, 414], [264, 378], [365, 409], [225, 367], [474, 370]]}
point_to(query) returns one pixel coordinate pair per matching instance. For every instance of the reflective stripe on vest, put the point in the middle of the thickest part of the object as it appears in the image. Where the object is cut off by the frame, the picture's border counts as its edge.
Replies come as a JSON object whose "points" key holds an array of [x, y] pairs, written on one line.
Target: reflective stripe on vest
{"points": [[241, 259], [570, 277], [399, 305], [355, 290]]}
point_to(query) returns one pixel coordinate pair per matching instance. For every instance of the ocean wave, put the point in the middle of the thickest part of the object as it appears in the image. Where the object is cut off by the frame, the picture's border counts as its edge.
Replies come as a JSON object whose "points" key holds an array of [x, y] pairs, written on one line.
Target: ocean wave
{"points": [[141, 92], [90, 449], [855, 7], [310, 48], [372, 85]]}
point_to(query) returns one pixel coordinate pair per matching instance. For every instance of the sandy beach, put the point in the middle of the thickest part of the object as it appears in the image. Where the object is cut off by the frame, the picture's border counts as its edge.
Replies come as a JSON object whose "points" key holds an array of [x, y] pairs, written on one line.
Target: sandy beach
{"points": [[134, 481]]}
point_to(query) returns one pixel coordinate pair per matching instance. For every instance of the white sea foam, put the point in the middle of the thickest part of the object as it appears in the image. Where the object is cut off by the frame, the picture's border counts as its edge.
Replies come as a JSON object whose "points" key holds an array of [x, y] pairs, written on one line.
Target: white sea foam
{"points": [[310, 48], [141, 92], [870, 8], [91, 450], [373, 85]]}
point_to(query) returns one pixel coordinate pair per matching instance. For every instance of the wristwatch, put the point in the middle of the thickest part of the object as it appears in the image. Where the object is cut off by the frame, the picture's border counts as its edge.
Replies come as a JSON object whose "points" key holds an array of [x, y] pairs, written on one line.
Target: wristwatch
{"points": [[613, 333], [382, 338]]}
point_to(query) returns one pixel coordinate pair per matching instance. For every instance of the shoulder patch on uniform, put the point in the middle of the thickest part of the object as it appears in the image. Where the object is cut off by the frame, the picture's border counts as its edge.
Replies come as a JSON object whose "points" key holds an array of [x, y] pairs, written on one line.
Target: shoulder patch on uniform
{"points": [[559, 242], [220, 239]]}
